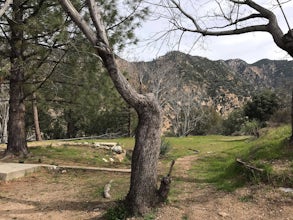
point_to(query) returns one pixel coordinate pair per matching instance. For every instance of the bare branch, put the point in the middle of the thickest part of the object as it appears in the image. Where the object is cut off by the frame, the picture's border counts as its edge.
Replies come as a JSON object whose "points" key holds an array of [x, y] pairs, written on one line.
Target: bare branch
{"points": [[187, 15], [269, 24], [5, 7], [97, 20], [79, 21]]}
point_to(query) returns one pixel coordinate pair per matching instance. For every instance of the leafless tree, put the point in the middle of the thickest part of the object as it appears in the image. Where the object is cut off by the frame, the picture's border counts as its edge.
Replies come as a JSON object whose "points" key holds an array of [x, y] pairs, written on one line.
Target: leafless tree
{"points": [[186, 110], [160, 80], [143, 193], [229, 17]]}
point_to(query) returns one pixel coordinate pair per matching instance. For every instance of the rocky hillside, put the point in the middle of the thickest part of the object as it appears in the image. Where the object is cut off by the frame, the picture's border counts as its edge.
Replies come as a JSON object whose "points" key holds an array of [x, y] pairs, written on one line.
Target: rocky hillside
{"points": [[224, 84]]}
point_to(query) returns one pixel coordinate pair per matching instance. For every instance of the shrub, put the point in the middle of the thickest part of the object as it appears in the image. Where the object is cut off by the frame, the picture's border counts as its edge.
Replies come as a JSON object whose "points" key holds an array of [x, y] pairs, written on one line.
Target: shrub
{"points": [[165, 147]]}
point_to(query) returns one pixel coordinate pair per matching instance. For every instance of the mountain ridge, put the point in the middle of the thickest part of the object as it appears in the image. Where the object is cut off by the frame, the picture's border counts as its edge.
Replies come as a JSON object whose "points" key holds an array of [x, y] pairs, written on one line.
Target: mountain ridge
{"points": [[226, 84]]}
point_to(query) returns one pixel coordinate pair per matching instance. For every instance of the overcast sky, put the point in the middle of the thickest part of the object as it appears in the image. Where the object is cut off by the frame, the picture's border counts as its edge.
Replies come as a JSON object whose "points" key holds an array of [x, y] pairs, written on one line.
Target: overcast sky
{"points": [[249, 47]]}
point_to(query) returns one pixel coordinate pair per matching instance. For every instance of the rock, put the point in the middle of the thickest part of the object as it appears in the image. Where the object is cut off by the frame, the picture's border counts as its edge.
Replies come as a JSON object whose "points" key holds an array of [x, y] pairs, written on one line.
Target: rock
{"points": [[117, 149], [111, 159], [286, 190], [105, 160], [63, 171], [120, 157], [223, 214], [97, 144]]}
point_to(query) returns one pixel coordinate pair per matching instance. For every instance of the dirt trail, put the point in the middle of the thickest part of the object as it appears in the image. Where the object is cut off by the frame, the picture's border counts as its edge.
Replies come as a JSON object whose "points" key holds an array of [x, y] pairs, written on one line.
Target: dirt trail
{"points": [[183, 165], [196, 202]]}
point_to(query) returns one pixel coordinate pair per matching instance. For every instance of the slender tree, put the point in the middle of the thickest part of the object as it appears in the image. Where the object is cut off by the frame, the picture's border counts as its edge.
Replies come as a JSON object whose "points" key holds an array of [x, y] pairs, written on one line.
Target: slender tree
{"points": [[291, 138], [143, 193]]}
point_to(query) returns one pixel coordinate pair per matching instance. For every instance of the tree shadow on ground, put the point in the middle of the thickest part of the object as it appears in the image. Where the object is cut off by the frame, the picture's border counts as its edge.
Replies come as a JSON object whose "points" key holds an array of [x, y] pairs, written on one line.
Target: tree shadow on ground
{"points": [[58, 205]]}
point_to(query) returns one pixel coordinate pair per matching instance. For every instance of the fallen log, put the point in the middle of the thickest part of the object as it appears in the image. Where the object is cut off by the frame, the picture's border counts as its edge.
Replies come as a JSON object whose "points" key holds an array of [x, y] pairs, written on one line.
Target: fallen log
{"points": [[248, 166]]}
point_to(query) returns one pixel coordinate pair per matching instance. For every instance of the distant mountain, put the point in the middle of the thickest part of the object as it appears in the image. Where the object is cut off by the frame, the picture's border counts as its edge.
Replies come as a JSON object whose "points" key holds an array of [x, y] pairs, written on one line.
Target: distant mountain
{"points": [[226, 84]]}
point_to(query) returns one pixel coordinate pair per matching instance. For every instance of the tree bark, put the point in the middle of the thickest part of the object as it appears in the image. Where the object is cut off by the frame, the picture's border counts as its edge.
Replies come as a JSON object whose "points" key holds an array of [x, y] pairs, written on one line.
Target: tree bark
{"points": [[16, 123], [143, 193], [36, 118]]}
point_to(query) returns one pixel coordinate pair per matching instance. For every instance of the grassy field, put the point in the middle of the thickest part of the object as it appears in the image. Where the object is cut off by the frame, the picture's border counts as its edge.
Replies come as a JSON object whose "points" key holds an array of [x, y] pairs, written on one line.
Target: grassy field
{"points": [[215, 163]]}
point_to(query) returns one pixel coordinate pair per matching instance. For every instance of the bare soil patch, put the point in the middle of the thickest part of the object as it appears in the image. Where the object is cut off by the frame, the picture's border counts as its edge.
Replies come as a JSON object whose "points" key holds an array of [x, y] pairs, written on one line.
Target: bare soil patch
{"points": [[74, 194]]}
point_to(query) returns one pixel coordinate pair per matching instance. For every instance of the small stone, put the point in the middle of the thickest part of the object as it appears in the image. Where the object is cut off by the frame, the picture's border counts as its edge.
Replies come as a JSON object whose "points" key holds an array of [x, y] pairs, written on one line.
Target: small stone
{"points": [[286, 190], [223, 214], [117, 149], [63, 171], [97, 145], [105, 160]]}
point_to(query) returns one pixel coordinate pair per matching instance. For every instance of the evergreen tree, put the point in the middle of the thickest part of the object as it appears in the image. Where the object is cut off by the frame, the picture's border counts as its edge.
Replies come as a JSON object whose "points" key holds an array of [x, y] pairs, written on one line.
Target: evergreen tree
{"points": [[30, 30]]}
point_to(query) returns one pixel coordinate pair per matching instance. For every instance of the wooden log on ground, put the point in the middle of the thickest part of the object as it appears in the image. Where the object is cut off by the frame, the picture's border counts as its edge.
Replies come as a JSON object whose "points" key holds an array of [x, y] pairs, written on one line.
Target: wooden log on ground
{"points": [[248, 166]]}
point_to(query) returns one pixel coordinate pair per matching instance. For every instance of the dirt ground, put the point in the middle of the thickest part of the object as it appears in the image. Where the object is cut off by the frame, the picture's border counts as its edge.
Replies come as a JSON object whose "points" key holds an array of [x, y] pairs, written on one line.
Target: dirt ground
{"points": [[78, 195]]}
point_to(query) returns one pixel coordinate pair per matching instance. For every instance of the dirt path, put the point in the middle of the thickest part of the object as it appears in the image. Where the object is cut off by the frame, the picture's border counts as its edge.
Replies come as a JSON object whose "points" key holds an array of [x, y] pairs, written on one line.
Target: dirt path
{"points": [[197, 202]]}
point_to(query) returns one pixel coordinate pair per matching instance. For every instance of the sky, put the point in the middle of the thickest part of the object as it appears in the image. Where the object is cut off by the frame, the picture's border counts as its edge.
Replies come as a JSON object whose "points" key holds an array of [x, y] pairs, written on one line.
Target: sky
{"points": [[249, 47]]}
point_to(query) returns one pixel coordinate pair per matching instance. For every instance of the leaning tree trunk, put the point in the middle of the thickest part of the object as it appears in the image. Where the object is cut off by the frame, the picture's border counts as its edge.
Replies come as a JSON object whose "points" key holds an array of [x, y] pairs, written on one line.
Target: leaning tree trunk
{"points": [[143, 193], [16, 123]]}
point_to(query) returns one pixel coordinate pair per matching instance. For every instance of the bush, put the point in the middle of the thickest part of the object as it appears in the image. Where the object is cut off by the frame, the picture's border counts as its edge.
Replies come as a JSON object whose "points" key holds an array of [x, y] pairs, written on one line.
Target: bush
{"points": [[234, 122], [251, 128], [165, 147]]}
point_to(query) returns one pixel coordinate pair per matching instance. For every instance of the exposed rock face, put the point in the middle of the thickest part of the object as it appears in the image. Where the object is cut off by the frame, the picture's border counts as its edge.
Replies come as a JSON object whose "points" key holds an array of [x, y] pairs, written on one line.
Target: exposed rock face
{"points": [[225, 85]]}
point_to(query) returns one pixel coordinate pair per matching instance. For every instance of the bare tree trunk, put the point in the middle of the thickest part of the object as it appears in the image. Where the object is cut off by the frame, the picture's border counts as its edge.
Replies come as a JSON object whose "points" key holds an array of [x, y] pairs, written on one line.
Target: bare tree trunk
{"points": [[291, 138], [16, 124], [4, 112], [36, 118], [5, 123], [143, 193]]}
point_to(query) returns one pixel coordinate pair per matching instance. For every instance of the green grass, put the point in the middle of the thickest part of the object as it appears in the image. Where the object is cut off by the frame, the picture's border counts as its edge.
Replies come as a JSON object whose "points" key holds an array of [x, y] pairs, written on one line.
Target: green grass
{"points": [[220, 168], [66, 154], [216, 163]]}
